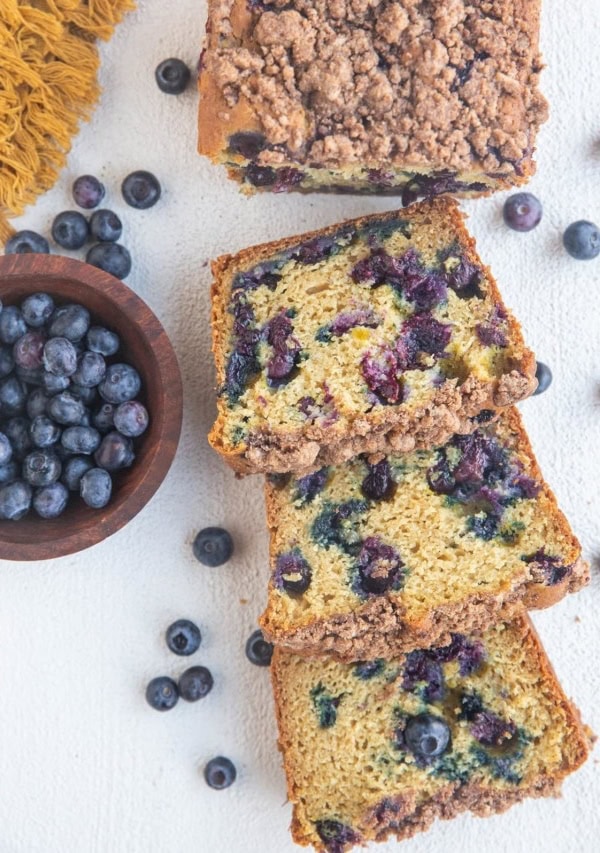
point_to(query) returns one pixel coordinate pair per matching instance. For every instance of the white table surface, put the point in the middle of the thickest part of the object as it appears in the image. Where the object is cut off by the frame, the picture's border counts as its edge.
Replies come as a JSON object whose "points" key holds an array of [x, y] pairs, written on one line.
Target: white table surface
{"points": [[85, 765]]}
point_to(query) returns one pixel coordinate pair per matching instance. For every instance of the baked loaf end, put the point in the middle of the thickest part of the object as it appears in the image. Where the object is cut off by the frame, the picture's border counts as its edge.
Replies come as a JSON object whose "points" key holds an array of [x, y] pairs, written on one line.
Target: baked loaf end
{"points": [[379, 556], [386, 96], [380, 334], [500, 727]]}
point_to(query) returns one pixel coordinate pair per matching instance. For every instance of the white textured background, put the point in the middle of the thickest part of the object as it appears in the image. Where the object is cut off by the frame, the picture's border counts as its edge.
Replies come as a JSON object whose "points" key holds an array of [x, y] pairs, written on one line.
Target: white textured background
{"points": [[85, 765]]}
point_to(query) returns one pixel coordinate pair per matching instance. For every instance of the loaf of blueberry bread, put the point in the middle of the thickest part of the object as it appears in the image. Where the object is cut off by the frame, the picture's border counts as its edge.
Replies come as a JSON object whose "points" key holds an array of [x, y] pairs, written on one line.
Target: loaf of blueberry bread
{"points": [[384, 747], [385, 96], [384, 554], [381, 334]]}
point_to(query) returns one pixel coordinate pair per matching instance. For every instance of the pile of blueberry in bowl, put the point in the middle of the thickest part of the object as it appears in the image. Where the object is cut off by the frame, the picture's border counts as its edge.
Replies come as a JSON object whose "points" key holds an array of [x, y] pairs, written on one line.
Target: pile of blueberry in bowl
{"points": [[90, 405]]}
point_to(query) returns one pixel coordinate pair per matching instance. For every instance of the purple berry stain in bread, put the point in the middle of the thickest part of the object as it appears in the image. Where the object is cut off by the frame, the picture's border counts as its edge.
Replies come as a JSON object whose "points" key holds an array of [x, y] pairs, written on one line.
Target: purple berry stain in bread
{"points": [[379, 568], [308, 487], [336, 835], [292, 573], [493, 333], [347, 320], [379, 484], [550, 570], [325, 705], [285, 349]]}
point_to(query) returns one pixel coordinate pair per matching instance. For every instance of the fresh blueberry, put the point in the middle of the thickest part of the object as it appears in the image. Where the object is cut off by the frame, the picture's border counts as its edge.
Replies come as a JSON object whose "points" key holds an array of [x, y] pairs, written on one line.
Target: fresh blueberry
{"points": [[195, 683], [6, 451], [95, 488], [220, 773], [141, 190], [91, 370], [115, 452], [427, 736], [113, 258], [162, 693], [104, 418], [44, 432], [36, 403], [86, 395], [183, 637], [213, 546], [15, 500], [70, 229], [24, 242], [73, 470], [581, 240], [17, 430], [88, 192], [71, 322], [12, 325], [37, 309], [543, 374], [33, 376], [7, 362], [103, 341], [60, 357], [522, 212], [50, 501], [28, 350], [66, 409], [120, 384], [258, 651], [172, 76], [9, 473], [12, 396], [131, 419], [55, 384], [81, 439], [41, 468], [105, 226]]}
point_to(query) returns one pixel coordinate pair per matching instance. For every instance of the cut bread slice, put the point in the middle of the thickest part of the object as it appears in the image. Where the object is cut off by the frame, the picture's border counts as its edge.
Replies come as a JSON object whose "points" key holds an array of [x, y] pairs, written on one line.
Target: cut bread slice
{"points": [[386, 554], [381, 334], [386, 747]]}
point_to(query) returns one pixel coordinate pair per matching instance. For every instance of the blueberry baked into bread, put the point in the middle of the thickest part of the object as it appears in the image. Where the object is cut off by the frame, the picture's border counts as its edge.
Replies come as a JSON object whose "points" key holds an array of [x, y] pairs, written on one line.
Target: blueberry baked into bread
{"points": [[385, 747], [372, 95], [377, 556], [380, 334]]}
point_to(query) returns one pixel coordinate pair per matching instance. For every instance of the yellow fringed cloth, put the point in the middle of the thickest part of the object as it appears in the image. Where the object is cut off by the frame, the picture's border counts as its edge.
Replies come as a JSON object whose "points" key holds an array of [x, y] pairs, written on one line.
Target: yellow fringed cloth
{"points": [[48, 68]]}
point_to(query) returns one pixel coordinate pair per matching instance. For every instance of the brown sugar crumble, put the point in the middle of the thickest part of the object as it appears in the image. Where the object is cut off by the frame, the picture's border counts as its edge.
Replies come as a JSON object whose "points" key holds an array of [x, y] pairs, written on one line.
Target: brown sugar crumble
{"points": [[373, 92]]}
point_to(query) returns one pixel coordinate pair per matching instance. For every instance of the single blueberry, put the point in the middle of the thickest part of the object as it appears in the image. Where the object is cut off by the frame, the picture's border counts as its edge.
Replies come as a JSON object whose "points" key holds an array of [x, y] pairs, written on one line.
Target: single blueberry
{"points": [[131, 419], [28, 350], [379, 484], [9, 472], [427, 736], [105, 226], [114, 452], [86, 395], [6, 450], [258, 650], [41, 468], [12, 325], [213, 546], [141, 190], [12, 396], [104, 418], [113, 258], [60, 357], [44, 432], [36, 403], [103, 341], [183, 637], [220, 773], [7, 362], [91, 370], [71, 322], [50, 501], [66, 409], [37, 309], [248, 144], [581, 240], [522, 212], [70, 229], [88, 192], [55, 384], [15, 500], [260, 176], [95, 488], [195, 683], [73, 470], [120, 384], [172, 76], [25, 242], [81, 439], [162, 693], [17, 430], [543, 374]]}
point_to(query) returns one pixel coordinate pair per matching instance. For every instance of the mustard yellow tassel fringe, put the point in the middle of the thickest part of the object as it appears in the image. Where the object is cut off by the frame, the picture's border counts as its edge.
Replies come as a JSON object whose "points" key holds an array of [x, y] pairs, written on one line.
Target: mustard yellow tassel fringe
{"points": [[48, 68]]}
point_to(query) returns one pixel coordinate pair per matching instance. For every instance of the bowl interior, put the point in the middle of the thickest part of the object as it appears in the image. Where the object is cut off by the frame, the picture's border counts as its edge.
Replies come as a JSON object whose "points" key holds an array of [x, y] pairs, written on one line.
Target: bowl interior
{"points": [[145, 346]]}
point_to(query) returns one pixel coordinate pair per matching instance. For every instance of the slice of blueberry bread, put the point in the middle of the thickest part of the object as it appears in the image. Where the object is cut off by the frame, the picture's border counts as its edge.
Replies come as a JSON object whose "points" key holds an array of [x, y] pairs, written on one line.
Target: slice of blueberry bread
{"points": [[388, 553], [385, 747], [381, 334]]}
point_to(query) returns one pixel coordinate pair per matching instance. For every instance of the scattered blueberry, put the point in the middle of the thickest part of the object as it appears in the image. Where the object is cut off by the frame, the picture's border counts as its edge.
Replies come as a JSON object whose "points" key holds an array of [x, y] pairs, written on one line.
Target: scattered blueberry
{"points": [[73, 470], [581, 240], [113, 258], [5, 449], [120, 384], [91, 370], [162, 693], [12, 325], [50, 501], [195, 683], [81, 439], [95, 488], [141, 190], [131, 419], [70, 229], [213, 546], [37, 309], [258, 650], [103, 341], [15, 500], [66, 409], [71, 322], [88, 192], [543, 374], [427, 736], [172, 76], [105, 226], [28, 350], [104, 418], [114, 452], [522, 212], [41, 468], [183, 637], [220, 773], [25, 242], [44, 432], [60, 357]]}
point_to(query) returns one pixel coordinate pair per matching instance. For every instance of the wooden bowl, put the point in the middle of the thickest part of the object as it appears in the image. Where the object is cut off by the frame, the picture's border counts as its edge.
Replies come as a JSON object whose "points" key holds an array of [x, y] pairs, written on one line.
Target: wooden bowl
{"points": [[145, 345]]}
